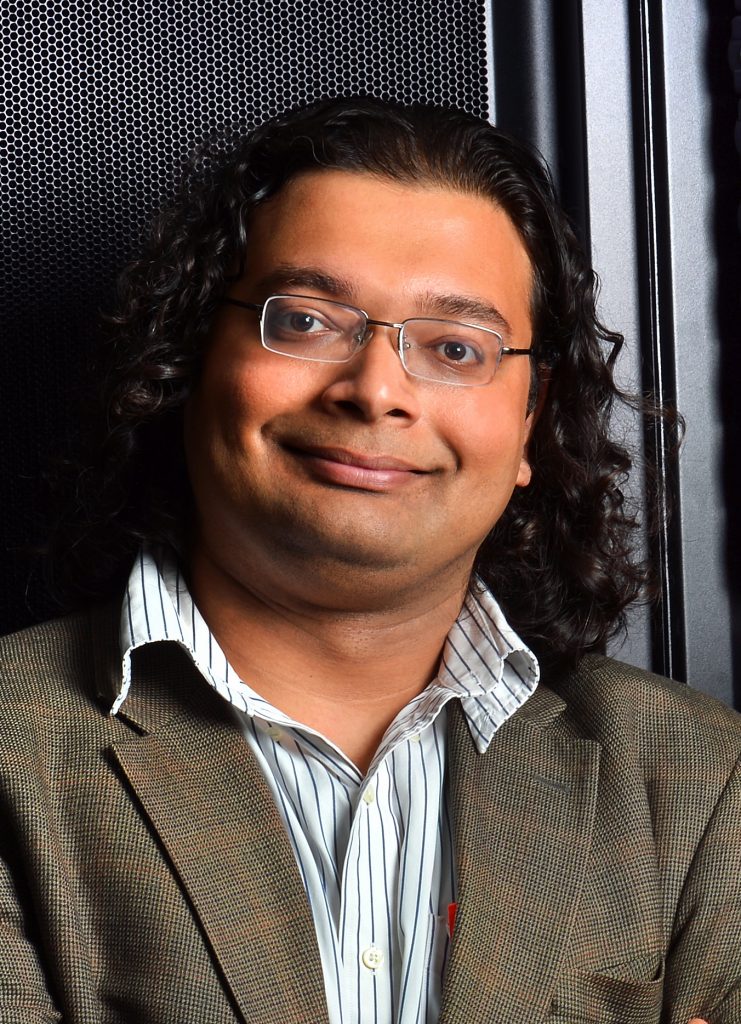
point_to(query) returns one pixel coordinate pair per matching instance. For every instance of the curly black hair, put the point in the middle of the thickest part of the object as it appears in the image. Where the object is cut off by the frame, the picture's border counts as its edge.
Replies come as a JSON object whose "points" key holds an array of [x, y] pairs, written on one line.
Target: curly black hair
{"points": [[561, 558]]}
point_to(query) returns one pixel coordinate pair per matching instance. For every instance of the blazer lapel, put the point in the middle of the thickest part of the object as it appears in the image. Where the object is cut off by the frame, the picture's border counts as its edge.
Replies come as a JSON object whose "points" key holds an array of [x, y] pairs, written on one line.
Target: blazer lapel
{"points": [[523, 819], [208, 801]]}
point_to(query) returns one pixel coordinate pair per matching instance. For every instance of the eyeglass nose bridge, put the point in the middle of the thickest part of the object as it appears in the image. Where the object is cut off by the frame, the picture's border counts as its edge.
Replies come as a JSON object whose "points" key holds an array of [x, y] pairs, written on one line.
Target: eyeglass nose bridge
{"points": [[368, 333]]}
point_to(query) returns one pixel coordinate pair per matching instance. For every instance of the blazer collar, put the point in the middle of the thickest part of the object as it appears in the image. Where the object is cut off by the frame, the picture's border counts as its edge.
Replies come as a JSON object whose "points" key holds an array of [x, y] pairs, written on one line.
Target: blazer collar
{"points": [[523, 816]]}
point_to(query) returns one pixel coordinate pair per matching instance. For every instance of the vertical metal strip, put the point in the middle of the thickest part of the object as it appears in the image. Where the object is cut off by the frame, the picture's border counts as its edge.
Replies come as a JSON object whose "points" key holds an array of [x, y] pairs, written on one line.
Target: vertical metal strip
{"points": [[491, 95], [669, 652]]}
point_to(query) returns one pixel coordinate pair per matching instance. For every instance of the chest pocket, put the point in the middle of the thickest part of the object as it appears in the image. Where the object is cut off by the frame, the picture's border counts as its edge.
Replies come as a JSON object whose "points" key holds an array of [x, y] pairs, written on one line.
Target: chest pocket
{"points": [[607, 999]]}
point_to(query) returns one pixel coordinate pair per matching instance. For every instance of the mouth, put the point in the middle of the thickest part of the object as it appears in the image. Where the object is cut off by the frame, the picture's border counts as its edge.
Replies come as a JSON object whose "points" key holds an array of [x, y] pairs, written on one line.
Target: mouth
{"points": [[343, 467]]}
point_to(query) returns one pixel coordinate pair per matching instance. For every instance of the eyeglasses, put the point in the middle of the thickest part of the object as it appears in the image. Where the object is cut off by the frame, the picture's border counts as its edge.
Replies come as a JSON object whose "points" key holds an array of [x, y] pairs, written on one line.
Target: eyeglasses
{"points": [[324, 331]]}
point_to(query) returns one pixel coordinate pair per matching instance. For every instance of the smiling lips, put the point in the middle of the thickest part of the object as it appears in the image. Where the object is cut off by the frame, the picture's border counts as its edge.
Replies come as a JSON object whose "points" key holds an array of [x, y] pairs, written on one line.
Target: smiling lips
{"points": [[353, 469]]}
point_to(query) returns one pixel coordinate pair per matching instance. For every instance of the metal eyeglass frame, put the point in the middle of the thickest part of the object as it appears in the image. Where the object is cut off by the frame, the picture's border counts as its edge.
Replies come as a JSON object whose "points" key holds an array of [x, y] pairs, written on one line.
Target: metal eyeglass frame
{"points": [[258, 307]]}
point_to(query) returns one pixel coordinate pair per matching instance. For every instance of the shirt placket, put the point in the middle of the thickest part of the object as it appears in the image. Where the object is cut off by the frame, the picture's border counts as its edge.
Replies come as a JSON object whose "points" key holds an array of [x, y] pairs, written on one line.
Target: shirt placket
{"points": [[366, 924]]}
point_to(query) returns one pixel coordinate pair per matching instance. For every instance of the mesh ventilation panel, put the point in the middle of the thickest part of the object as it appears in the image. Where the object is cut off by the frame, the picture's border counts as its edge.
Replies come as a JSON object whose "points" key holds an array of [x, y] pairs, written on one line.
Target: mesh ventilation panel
{"points": [[101, 104]]}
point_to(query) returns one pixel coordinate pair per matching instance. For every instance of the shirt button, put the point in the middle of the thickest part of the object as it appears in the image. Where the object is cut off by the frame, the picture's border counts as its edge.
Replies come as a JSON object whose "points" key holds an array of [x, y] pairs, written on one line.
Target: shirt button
{"points": [[274, 732], [372, 958], [414, 738], [369, 796]]}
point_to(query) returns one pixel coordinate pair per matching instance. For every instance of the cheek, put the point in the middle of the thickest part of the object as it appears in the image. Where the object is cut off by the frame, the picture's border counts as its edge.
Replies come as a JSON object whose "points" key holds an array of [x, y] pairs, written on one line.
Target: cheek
{"points": [[268, 385], [229, 402], [489, 447], [489, 443], [215, 418], [496, 473], [237, 401]]}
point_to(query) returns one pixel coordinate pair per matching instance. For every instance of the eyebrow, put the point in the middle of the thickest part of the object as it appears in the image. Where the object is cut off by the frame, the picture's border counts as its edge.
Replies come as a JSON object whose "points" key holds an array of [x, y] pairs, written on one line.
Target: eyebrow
{"points": [[288, 276], [446, 305], [479, 311]]}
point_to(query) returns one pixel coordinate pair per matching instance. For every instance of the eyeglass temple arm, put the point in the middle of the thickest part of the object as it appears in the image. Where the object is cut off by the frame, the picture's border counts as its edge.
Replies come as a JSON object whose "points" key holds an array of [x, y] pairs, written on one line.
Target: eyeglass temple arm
{"points": [[258, 306]]}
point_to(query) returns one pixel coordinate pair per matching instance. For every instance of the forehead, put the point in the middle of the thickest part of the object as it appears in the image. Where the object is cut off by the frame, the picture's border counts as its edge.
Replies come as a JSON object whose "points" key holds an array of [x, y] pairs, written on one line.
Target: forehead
{"points": [[389, 244]]}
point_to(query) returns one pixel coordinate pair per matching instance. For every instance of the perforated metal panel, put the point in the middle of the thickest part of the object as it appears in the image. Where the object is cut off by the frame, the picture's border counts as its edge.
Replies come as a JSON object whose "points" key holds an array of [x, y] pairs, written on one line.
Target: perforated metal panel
{"points": [[102, 103]]}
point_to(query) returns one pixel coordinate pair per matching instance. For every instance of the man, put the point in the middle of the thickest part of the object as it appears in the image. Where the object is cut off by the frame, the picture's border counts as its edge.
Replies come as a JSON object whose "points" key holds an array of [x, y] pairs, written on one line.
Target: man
{"points": [[310, 771]]}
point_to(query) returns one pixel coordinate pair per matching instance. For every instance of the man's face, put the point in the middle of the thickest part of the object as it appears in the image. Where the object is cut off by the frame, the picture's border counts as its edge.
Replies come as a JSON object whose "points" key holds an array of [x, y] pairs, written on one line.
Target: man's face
{"points": [[357, 467]]}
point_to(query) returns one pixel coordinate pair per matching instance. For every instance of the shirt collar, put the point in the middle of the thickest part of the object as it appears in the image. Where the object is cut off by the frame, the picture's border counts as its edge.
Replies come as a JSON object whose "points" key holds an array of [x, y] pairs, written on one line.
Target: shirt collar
{"points": [[484, 662], [487, 664]]}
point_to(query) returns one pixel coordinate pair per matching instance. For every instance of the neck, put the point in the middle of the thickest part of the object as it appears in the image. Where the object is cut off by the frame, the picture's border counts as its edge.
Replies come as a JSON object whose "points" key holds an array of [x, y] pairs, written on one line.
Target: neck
{"points": [[345, 673]]}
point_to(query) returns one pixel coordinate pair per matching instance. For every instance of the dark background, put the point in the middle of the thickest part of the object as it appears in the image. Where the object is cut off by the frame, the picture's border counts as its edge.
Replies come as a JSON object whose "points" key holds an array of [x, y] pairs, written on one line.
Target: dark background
{"points": [[634, 107]]}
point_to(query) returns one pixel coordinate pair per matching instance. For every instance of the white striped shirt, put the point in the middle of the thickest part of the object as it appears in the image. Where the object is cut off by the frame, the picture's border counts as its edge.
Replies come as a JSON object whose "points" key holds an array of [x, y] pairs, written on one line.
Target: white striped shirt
{"points": [[376, 853]]}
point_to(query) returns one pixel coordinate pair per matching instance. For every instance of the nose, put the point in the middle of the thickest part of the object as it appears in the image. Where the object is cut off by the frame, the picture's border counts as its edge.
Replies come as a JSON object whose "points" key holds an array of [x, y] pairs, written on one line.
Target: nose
{"points": [[374, 384]]}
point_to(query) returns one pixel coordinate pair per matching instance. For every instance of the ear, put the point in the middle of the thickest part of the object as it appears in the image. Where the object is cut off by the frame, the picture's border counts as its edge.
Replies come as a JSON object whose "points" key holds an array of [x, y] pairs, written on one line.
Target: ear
{"points": [[525, 472]]}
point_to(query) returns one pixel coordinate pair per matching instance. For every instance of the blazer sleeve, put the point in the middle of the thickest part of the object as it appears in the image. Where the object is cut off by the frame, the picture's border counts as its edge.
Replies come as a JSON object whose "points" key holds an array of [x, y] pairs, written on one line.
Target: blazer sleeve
{"points": [[24, 997], [704, 963]]}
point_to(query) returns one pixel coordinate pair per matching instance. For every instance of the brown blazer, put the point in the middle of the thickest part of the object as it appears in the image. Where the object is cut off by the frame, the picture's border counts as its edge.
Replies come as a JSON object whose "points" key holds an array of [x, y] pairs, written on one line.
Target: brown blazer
{"points": [[146, 876]]}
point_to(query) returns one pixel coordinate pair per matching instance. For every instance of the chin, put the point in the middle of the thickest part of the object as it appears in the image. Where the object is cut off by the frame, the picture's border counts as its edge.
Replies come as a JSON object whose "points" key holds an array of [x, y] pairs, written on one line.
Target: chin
{"points": [[349, 551]]}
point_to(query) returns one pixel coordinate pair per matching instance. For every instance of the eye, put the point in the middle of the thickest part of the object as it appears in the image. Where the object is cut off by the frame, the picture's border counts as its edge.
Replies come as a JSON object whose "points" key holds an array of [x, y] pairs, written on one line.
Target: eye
{"points": [[292, 322], [299, 321], [459, 353]]}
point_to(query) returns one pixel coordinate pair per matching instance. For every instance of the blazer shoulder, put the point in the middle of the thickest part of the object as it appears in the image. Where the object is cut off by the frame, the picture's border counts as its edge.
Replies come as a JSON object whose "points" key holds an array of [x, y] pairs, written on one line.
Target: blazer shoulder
{"points": [[665, 721], [53, 665]]}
